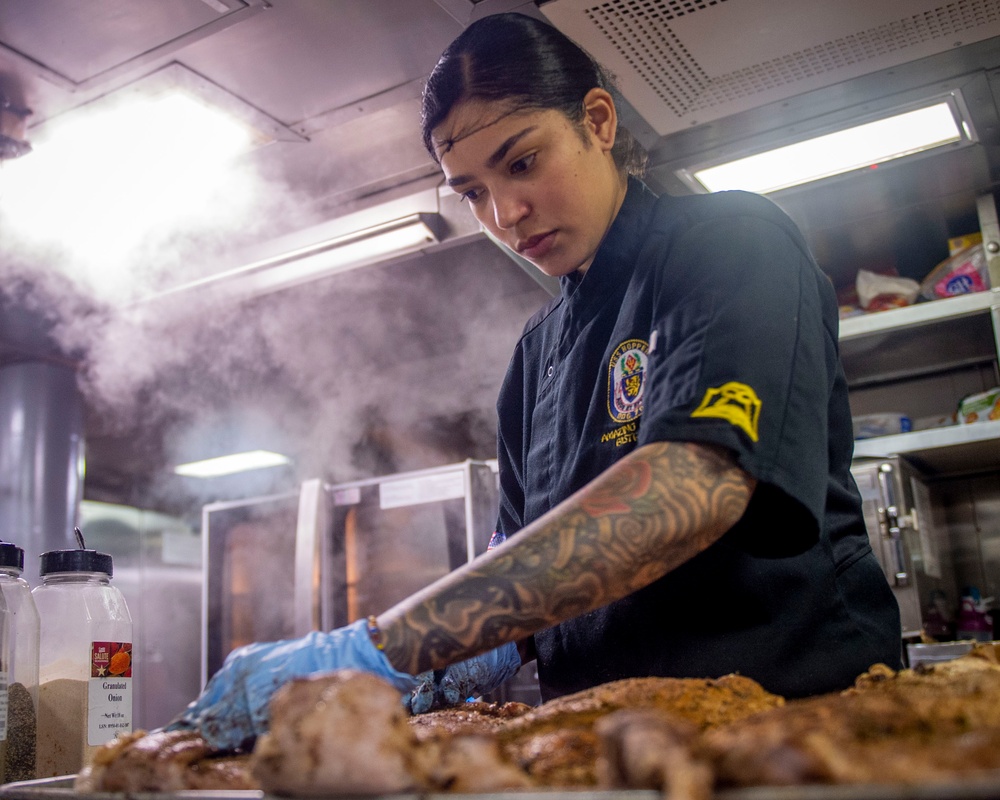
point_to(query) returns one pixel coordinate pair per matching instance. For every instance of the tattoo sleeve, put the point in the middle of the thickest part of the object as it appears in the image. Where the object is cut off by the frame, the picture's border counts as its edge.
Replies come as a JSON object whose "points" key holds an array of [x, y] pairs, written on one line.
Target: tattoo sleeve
{"points": [[652, 511]]}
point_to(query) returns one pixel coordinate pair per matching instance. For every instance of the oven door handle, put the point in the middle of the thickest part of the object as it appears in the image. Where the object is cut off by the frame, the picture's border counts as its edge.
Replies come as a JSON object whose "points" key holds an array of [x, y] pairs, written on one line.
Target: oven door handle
{"points": [[308, 534]]}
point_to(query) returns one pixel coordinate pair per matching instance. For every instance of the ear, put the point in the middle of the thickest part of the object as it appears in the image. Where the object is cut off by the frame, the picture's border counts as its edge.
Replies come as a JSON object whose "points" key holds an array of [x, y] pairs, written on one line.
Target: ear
{"points": [[601, 117]]}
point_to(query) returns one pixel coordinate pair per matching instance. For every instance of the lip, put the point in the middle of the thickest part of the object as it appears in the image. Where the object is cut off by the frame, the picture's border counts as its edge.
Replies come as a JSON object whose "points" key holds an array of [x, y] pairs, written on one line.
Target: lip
{"points": [[536, 246]]}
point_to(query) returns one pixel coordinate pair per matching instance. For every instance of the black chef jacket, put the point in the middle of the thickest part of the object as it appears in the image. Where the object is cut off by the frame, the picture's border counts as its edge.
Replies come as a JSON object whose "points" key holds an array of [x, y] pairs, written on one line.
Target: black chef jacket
{"points": [[704, 319]]}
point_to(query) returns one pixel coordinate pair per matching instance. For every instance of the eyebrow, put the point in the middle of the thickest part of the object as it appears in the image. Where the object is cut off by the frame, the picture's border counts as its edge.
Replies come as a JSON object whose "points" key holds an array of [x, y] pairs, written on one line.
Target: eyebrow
{"points": [[498, 155]]}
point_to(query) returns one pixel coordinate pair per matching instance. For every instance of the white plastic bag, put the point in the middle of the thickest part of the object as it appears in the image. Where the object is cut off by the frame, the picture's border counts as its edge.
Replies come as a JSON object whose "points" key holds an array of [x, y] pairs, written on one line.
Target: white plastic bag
{"points": [[879, 292]]}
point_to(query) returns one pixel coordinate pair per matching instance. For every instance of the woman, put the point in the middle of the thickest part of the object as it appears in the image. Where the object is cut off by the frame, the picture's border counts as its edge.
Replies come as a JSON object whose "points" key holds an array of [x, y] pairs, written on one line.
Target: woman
{"points": [[674, 432]]}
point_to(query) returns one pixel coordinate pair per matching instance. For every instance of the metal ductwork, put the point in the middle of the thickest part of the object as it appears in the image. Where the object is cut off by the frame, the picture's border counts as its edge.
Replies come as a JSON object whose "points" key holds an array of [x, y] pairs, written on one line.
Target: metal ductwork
{"points": [[13, 121], [41, 443]]}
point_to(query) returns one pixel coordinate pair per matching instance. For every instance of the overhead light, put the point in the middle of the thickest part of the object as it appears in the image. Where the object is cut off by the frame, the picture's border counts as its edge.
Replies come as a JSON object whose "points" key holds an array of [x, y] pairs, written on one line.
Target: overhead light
{"points": [[102, 182], [340, 253], [863, 146], [326, 257], [231, 464], [116, 177], [148, 139]]}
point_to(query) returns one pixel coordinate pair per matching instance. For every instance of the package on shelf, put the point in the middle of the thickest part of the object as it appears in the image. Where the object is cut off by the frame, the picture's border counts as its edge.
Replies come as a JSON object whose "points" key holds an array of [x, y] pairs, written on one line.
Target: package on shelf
{"points": [[878, 292], [962, 273], [959, 243], [980, 407], [867, 426]]}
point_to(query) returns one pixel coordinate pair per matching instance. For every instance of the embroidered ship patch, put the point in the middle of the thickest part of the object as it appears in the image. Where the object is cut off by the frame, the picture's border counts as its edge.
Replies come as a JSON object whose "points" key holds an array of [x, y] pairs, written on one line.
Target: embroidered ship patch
{"points": [[626, 379]]}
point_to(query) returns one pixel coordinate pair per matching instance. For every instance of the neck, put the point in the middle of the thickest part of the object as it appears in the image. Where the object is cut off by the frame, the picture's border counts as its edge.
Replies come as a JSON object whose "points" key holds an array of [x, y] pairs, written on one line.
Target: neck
{"points": [[617, 198]]}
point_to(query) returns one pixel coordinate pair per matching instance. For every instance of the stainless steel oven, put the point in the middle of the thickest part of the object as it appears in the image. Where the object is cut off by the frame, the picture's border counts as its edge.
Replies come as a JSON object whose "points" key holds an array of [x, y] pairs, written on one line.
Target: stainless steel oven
{"points": [[280, 566]]}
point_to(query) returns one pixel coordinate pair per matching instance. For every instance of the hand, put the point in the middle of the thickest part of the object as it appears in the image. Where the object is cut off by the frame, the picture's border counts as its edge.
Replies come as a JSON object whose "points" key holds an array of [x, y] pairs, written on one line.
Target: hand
{"points": [[472, 678], [233, 709]]}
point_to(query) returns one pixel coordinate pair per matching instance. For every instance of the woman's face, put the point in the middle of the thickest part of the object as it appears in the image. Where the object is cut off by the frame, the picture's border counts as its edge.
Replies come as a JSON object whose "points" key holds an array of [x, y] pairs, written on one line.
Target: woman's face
{"points": [[544, 187]]}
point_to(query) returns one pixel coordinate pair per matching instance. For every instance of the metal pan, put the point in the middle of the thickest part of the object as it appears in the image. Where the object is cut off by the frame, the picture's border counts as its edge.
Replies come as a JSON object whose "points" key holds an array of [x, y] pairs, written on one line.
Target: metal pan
{"points": [[985, 788]]}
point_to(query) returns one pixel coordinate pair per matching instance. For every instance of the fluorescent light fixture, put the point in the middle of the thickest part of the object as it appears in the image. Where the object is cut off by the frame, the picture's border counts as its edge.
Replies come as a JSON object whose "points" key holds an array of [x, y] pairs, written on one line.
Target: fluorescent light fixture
{"points": [[326, 257], [861, 146], [231, 464], [341, 253], [116, 179]]}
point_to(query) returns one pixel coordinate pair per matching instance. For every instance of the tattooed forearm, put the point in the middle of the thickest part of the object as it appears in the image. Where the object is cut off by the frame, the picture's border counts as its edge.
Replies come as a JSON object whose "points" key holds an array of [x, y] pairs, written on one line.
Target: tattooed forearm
{"points": [[646, 515]]}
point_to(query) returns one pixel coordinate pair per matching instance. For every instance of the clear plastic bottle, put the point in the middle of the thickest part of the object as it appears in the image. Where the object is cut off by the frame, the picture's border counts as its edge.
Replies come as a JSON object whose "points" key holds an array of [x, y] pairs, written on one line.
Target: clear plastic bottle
{"points": [[22, 671], [85, 659]]}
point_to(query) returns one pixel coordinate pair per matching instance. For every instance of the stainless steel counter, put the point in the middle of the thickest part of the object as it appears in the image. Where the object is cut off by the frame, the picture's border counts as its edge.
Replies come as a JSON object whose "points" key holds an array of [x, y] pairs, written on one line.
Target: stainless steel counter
{"points": [[985, 787]]}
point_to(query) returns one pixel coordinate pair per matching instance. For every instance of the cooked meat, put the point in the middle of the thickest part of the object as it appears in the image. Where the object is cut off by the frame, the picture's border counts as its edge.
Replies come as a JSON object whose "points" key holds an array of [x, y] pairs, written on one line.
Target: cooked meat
{"points": [[222, 772], [642, 749], [924, 725], [162, 762], [338, 733], [557, 745], [467, 763], [347, 733], [474, 717], [327, 731]]}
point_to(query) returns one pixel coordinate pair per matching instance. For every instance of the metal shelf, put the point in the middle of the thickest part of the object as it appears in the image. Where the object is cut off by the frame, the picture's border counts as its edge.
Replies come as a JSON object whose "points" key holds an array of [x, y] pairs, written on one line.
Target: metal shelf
{"points": [[909, 343], [920, 314], [955, 449], [930, 338]]}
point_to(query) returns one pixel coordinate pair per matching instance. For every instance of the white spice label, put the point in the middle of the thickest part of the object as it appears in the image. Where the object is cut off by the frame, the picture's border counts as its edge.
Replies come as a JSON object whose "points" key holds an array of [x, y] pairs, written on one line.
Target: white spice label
{"points": [[3, 706], [109, 692]]}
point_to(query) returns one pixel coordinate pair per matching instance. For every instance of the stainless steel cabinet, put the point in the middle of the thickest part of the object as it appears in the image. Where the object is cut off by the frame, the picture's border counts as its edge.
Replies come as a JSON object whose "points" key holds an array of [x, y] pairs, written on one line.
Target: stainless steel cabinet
{"points": [[909, 545], [280, 566]]}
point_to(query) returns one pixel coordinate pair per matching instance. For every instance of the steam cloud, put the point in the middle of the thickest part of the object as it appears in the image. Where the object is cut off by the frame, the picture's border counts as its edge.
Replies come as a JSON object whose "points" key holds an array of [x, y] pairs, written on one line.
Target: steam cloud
{"points": [[377, 370]]}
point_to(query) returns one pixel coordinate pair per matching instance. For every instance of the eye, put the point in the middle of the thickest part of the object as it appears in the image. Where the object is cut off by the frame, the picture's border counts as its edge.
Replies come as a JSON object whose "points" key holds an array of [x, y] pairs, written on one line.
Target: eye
{"points": [[522, 164], [472, 195]]}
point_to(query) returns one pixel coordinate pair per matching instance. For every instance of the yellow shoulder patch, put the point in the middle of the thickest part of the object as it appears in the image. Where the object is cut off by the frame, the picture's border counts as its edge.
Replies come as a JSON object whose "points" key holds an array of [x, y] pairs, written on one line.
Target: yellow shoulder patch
{"points": [[734, 402]]}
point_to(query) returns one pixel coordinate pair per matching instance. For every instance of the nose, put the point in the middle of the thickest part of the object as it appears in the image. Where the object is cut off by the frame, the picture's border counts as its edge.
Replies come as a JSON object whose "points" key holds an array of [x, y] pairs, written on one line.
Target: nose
{"points": [[509, 208]]}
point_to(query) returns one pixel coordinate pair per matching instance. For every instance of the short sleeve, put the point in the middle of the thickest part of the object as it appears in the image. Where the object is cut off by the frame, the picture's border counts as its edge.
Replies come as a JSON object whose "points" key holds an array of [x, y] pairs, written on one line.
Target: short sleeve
{"points": [[741, 354]]}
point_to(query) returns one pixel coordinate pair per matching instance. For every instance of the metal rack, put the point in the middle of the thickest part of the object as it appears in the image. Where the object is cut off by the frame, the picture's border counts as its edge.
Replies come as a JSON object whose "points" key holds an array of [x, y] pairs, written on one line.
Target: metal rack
{"points": [[939, 526], [927, 356]]}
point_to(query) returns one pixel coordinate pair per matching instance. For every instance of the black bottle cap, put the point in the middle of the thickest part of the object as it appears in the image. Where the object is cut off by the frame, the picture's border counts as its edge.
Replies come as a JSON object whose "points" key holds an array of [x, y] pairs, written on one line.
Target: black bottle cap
{"points": [[11, 556], [75, 561]]}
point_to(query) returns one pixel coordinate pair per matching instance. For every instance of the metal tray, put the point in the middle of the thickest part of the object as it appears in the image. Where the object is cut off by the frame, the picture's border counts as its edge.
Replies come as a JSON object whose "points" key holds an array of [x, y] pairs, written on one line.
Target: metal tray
{"points": [[61, 788], [984, 787]]}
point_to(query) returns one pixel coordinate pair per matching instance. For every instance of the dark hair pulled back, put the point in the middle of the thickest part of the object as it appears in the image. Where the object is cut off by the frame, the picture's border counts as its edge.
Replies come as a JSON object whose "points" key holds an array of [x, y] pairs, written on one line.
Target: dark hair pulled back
{"points": [[526, 64]]}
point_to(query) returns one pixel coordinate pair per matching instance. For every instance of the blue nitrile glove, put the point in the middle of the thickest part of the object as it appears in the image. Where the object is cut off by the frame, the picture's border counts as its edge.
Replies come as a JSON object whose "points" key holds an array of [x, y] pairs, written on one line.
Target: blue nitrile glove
{"points": [[233, 709], [477, 676], [421, 699]]}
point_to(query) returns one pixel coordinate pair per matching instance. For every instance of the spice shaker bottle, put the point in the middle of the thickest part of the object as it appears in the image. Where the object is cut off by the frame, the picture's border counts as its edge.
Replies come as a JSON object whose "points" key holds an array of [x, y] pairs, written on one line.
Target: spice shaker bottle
{"points": [[22, 669], [85, 659]]}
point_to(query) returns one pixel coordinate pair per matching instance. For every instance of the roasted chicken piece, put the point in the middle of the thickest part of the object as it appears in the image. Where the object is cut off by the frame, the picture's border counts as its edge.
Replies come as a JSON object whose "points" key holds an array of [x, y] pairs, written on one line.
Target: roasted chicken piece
{"points": [[342, 733], [163, 762], [347, 733]]}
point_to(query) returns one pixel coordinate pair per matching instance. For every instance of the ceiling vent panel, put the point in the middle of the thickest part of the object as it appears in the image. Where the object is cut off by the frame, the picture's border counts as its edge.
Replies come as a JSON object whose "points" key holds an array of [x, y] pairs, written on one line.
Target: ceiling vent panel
{"points": [[685, 62]]}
